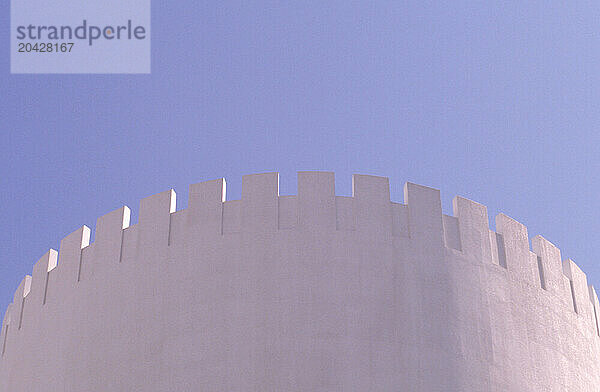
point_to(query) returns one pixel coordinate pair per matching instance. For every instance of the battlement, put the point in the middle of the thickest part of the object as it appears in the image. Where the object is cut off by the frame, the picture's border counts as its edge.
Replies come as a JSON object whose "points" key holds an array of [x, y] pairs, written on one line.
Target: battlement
{"points": [[368, 216]]}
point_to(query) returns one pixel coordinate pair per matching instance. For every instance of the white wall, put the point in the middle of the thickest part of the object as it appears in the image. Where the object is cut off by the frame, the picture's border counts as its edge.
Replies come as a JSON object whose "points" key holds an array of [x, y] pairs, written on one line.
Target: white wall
{"points": [[302, 293]]}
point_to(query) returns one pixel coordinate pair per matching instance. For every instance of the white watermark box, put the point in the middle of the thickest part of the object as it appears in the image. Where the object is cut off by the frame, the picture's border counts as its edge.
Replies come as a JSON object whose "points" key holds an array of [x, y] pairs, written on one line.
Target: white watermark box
{"points": [[97, 36]]}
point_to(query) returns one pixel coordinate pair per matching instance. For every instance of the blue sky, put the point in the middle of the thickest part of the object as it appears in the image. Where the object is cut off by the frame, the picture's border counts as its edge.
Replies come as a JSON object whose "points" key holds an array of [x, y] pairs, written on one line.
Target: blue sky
{"points": [[497, 102]]}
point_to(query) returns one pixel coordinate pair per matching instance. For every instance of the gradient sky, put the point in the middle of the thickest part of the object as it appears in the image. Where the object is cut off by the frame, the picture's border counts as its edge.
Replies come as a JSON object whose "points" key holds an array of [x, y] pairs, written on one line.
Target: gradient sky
{"points": [[498, 102]]}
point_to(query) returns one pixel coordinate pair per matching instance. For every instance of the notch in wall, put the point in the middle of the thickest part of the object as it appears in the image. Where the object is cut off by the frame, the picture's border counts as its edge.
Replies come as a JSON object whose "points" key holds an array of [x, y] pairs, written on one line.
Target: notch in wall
{"points": [[595, 307], [501, 250], [4, 330], [541, 272], [573, 296], [19, 298], [4, 339], [596, 319], [40, 275]]}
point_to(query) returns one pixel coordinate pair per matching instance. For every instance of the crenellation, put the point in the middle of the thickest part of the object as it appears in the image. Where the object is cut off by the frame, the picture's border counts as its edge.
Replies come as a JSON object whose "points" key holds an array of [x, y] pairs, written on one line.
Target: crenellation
{"points": [[580, 290], [155, 221], [474, 229], [109, 234], [19, 300], [6, 321], [497, 249], [451, 232], [39, 277], [372, 205], [566, 267], [596, 308], [69, 256], [368, 219], [316, 201], [368, 187], [551, 264], [89, 263], [542, 272], [519, 263], [6, 318], [205, 208], [536, 262], [260, 196], [208, 211], [206, 193], [424, 215], [130, 241]]}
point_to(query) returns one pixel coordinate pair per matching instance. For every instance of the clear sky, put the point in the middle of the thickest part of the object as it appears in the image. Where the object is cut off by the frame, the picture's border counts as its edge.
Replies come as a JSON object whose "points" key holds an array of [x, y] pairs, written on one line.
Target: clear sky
{"points": [[498, 102]]}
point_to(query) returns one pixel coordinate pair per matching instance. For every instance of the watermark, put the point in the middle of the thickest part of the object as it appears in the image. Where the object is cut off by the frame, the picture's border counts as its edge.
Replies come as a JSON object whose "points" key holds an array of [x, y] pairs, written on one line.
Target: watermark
{"points": [[97, 36]]}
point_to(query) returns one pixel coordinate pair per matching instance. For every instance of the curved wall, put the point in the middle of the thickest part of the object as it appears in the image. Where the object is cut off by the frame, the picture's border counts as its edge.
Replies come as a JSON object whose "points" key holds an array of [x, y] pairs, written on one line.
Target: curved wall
{"points": [[313, 292]]}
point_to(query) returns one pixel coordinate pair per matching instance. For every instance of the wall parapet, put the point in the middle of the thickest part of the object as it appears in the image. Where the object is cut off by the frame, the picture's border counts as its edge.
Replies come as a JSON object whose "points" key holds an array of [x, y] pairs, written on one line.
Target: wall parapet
{"points": [[369, 214]]}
